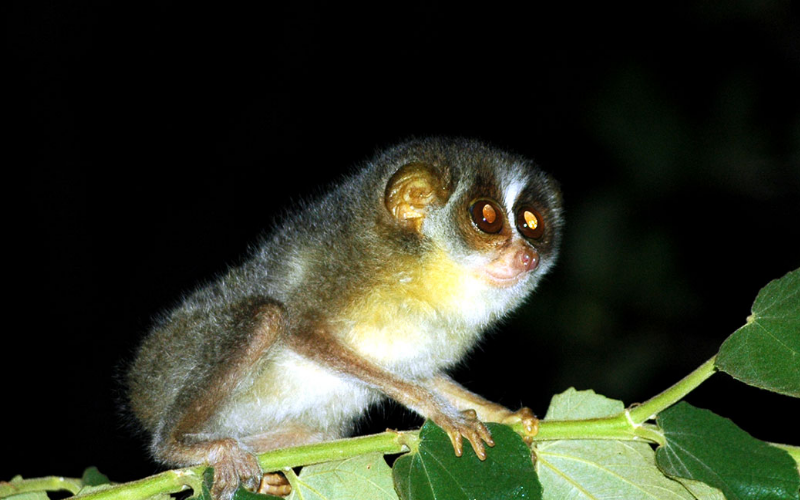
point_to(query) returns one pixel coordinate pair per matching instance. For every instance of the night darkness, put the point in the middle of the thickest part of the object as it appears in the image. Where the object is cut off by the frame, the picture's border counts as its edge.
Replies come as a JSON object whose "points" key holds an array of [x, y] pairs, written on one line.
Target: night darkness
{"points": [[158, 140]]}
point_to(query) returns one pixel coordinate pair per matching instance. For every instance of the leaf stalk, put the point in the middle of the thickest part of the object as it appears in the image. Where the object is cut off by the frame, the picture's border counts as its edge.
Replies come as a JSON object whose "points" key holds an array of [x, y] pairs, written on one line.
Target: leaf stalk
{"points": [[653, 406]]}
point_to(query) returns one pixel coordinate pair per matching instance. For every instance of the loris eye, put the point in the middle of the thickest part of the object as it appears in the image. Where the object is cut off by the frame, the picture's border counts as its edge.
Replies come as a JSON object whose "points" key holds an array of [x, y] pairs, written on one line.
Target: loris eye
{"points": [[530, 223], [487, 216]]}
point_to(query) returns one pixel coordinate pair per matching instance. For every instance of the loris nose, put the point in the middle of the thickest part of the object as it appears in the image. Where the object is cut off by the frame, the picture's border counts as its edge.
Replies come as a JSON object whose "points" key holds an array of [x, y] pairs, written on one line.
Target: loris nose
{"points": [[527, 258], [512, 264]]}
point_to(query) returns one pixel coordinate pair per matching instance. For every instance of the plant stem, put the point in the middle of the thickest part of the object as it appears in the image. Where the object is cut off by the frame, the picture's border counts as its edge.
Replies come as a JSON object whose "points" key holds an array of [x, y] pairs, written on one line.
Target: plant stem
{"points": [[618, 427], [386, 442], [650, 408], [629, 425], [171, 481], [50, 483]]}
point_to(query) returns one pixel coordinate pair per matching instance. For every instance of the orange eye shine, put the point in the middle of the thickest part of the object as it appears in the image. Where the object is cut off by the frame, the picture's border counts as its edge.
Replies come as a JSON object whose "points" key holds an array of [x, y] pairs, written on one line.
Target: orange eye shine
{"points": [[486, 215], [530, 223], [530, 220], [489, 214]]}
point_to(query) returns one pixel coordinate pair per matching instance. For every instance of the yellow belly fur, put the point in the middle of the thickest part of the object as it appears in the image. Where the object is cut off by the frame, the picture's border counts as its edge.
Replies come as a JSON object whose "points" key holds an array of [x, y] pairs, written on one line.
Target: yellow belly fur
{"points": [[407, 322]]}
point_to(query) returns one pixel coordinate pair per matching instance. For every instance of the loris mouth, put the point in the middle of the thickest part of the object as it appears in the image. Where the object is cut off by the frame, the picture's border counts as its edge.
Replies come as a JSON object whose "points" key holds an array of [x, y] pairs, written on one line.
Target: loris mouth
{"points": [[502, 280]]}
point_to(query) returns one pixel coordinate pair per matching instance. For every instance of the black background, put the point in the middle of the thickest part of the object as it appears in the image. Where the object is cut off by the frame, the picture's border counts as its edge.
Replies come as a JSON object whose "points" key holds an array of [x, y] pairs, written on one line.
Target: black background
{"points": [[156, 140]]}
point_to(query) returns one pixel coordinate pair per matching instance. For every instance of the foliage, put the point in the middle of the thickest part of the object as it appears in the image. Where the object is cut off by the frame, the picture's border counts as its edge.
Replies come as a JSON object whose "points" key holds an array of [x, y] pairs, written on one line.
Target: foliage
{"points": [[588, 446]]}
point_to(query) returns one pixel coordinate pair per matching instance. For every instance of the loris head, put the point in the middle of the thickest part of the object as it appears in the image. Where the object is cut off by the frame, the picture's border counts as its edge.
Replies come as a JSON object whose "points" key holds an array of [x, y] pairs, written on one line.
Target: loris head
{"points": [[487, 216]]}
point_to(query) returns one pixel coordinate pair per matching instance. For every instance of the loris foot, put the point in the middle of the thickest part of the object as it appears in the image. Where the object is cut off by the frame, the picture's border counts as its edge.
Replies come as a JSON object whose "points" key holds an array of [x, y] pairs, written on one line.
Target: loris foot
{"points": [[276, 484], [467, 425], [232, 466]]}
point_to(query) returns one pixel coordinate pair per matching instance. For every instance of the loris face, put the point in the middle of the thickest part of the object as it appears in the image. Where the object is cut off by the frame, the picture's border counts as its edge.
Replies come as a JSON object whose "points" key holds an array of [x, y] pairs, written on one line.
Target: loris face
{"points": [[503, 230], [490, 229]]}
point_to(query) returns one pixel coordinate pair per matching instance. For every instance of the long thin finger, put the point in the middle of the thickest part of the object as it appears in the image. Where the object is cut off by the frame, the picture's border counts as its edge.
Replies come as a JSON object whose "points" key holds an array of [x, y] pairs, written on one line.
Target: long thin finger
{"points": [[455, 438], [484, 433], [477, 445]]}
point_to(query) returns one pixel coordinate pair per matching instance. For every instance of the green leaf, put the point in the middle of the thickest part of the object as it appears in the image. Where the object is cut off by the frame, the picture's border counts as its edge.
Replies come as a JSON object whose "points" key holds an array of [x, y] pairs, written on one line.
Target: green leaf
{"points": [[363, 477], [94, 481], [579, 405], [765, 352], [435, 472], [595, 469], [706, 447], [204, 492], [93, 477], [700, 489], [243, 494], [31, 495]]}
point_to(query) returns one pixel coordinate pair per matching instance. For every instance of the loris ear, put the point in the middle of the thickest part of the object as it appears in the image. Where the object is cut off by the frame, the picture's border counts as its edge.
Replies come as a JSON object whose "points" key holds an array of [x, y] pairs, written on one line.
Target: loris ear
{"points": [[409, 193]]}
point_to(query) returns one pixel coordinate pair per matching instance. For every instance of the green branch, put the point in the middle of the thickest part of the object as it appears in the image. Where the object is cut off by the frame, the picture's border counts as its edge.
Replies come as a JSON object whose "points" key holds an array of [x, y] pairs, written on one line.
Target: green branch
{"points": [[50, 483], [629, 425], [174, 481], [171, 481], [388, 442], [619, 427], [650, 408]]}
